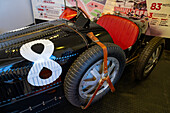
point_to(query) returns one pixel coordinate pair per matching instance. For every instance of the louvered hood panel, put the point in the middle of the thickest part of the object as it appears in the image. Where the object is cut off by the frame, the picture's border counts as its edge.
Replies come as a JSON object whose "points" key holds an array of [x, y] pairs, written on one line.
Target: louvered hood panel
{"points": [[14, 68]]}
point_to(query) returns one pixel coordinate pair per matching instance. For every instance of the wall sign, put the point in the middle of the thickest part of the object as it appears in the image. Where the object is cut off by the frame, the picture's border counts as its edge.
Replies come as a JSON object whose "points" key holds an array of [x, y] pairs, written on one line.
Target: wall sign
{"points": [[40, 61], [133, 9], [159, 17], [93, 8], [47, 9], [52, 9], [128, 8]]}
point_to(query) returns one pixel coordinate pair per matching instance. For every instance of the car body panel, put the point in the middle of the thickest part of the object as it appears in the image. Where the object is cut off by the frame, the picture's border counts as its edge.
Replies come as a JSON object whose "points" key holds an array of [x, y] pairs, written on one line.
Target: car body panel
{"points": [[69, 42]]}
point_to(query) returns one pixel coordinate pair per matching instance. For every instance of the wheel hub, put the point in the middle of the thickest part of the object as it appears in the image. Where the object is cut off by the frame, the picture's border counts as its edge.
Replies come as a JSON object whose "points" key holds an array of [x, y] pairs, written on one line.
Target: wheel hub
{"points": [[94, 74]]}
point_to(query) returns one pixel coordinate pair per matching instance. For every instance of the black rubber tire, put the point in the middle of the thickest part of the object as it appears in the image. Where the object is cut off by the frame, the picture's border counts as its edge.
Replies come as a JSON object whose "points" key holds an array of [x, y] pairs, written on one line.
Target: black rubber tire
{"points": [[82, 64], [146, 55]]}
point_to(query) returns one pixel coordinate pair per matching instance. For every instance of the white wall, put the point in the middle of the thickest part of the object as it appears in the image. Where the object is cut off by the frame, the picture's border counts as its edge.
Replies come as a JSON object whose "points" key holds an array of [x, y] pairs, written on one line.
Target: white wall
{"points": [[15, 14]]}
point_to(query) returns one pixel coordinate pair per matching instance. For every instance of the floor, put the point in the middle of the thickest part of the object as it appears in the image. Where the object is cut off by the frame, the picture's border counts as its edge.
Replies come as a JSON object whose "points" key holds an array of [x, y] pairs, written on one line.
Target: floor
{"points": [[149, 96]]}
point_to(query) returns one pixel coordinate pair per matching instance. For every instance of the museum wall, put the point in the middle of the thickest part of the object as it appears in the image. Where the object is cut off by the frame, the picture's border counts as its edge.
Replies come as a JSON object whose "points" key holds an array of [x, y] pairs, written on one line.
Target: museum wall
{"points": [[15, 14]]}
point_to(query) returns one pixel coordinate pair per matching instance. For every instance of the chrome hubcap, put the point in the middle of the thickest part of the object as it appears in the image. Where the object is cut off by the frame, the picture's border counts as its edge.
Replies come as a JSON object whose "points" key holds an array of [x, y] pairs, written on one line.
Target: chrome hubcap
{"points": [[91, 78], [153, 60]]}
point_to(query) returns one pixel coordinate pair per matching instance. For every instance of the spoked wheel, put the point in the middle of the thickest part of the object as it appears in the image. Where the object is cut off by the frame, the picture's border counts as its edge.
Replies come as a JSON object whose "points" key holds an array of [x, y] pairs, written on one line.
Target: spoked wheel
{"points": [[91, 78], [153, 60], [149, 58], [85, 73]]}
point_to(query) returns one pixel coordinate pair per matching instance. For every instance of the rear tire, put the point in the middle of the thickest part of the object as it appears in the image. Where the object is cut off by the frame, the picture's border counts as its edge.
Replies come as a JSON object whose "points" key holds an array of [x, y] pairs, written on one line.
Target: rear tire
{"points": [[81, 73], [148, 58]]}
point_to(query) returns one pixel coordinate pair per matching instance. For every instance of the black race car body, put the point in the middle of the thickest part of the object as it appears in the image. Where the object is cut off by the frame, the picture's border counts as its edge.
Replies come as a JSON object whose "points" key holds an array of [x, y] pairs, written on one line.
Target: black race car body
{"points": [[36, 61], [68, 42]]}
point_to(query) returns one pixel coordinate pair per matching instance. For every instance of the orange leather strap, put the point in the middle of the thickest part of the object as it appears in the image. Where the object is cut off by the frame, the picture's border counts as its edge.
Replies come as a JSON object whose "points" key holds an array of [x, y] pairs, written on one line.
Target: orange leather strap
{"points": [[107, 78], [96, 40]]}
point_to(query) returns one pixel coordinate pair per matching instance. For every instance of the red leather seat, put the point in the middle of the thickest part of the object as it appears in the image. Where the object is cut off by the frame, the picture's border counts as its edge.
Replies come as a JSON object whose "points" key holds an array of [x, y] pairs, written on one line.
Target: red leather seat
{"points": [[123, 31]]}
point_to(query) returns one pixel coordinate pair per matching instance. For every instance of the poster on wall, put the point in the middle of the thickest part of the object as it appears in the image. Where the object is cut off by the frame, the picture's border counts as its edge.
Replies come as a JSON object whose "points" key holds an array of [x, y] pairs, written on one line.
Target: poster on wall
{"points": [[47, 9], [159, 18], [127, 8], [136, 10], [52, 9], [93, 8]]}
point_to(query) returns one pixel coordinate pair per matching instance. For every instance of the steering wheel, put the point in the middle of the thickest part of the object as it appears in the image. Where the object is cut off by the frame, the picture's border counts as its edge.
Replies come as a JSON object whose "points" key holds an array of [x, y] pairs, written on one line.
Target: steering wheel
{"points": [[80, 10]]}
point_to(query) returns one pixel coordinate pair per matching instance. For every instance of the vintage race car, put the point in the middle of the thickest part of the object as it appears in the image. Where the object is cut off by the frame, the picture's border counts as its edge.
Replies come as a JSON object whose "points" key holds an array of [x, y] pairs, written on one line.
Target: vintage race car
{"points": [[43, 63]]}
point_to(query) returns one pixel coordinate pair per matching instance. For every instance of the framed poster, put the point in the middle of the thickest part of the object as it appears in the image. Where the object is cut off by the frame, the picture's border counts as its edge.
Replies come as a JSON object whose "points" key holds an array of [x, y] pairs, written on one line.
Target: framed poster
{"points": [[47, 9], [128, 8], [52, 9], [93, 8], [159, 18]]}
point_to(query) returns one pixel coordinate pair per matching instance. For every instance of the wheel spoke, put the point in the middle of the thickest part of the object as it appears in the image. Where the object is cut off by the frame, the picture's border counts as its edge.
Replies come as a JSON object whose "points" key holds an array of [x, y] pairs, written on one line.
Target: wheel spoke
{"points": [[95, 73], [153, 55], [111, 68], [157, 52], [149, 65], [89, 83], [90, 90]]}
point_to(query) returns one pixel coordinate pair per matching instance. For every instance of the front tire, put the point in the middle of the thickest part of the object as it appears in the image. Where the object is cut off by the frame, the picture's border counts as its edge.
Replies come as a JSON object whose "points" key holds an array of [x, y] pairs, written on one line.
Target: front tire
{"points": [[84, 74]]}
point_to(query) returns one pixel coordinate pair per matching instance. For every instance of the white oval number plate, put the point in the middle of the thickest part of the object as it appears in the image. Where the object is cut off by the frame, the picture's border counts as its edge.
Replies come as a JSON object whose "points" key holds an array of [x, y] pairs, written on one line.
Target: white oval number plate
{"points": [[40, 61]]}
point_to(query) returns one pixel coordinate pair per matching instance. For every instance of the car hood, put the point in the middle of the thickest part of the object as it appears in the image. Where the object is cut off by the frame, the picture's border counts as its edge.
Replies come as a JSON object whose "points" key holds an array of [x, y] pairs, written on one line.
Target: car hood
{"points": [[69, 41], [66, 40]]}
